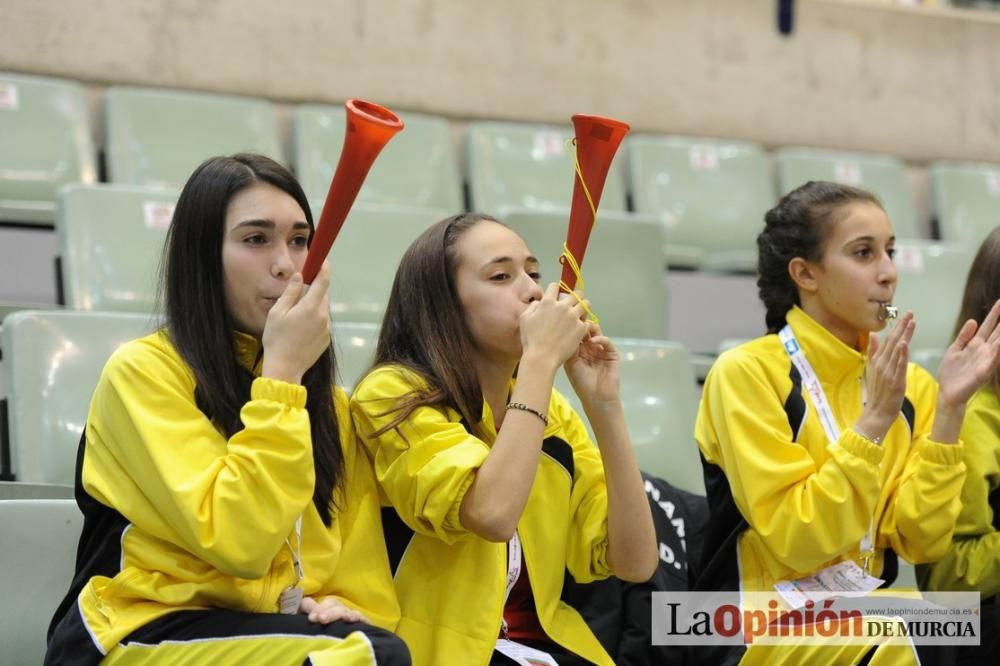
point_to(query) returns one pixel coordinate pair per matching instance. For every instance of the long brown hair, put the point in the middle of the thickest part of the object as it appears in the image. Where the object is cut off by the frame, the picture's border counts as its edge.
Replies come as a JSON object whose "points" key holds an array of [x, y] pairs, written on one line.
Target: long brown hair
{"points": [[982, 288], [424, 328], [199, 323]]}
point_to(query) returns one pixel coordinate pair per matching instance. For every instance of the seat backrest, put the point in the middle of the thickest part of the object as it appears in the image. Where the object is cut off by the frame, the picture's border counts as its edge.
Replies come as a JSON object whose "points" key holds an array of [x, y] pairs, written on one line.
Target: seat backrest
{"points": [[931, 279], [364, 258], [710, 194], [883, 175], [46, 144], [21, 490], [417, 169], [110, 243], [623, 268], [966, 200], [51, 362], [38, 542], [521, 166], [660, 398], [156, 138], [354, 343]]}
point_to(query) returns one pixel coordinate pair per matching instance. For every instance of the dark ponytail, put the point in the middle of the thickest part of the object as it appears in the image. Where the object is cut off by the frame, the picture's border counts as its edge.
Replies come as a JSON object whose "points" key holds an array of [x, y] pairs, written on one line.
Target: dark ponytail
{"points": [[797, 227]]}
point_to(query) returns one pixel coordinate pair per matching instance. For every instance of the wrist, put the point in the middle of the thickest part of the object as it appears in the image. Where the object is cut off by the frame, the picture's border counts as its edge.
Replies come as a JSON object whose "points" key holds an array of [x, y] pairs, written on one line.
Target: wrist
{"points": [[542, 364], [873, 428], [280, 372]]}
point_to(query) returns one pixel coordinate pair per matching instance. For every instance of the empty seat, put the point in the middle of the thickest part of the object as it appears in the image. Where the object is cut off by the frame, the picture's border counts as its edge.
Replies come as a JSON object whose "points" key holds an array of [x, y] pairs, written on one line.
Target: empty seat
{"points": [[110, 243], [52, 361], [355, 346], [416, 169], [156, 137], [365, 256], [710, 195], [659, 395], [966, 200], [883, 175], [931, 281], [46, 144], [21, 490], [521, 166], [623, 268], [38, 542]]}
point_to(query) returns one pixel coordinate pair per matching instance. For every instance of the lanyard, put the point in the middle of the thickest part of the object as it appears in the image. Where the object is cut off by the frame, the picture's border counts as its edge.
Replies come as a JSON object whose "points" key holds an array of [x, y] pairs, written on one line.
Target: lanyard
{"points": [[815, 390], [297, 552], [513, 572]]}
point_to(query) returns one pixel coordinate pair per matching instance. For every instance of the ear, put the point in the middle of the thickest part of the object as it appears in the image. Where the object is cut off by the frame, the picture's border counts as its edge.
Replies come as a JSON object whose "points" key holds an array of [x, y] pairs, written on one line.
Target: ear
{"points": [[803, 274]]}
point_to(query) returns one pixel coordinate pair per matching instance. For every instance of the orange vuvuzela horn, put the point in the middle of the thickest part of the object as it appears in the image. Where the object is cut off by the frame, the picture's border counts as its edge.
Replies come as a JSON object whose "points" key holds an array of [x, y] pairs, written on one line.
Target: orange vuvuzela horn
{"points": [[597, 140], [369, 128]]}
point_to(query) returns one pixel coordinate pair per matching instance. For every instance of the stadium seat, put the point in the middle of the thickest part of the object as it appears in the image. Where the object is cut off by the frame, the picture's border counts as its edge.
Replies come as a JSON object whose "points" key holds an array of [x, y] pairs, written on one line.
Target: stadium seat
{"points": [[365, 256], [710, 195], [659, 395], [529, 167], [416, 169], [623, 268], [52, 361], [19, 490], [46, 144], [110, 243], [38, 542], [355, 346], [883, 175], [156, 138], [931, 278], [966, 200]]}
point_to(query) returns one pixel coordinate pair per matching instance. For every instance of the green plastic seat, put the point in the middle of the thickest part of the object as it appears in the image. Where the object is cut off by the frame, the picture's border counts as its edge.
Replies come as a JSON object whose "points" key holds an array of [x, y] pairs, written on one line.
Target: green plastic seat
{"points": [[110, 244], [883, 175], [354, 343], [416, 169], [623, 269], [529, 167], [156, 138], [710, 195], [38, 541], [51, 363], [931, 279], [966, 200], [365, 256], [660, 398], [46, 143], [19, 490]]}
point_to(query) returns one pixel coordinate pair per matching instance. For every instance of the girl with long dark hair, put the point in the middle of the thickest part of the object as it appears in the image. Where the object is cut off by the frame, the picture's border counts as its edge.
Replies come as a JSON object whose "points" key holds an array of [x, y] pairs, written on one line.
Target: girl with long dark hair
{"points": [[494, 489], [229, 515]]}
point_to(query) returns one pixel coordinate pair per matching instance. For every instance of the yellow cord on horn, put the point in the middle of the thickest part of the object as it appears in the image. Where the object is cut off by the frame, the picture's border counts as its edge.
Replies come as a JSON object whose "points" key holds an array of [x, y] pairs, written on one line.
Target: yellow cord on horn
{"points": [[567, 258]]}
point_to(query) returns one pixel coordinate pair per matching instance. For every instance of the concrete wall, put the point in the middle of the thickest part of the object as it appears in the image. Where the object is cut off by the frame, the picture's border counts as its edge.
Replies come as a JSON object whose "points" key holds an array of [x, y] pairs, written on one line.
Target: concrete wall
{"points": [[920, 83]]}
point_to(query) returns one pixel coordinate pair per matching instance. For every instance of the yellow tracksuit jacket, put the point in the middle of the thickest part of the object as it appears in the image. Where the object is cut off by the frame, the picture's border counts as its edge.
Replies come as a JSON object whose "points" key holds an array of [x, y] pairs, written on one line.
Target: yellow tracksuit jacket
{"points": [[190, 520], [784, 502], [973, 561], [451, 582]]}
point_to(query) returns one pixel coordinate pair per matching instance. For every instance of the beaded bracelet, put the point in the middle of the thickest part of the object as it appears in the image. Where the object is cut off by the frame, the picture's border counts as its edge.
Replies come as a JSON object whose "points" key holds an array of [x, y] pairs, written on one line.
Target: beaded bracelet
{"points": [[524, 408]]}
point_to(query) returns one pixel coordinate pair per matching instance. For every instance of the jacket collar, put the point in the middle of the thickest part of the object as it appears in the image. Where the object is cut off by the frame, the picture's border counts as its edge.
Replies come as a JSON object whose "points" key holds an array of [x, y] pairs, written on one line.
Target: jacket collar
{"points": [[828, 355], [249, 351]]}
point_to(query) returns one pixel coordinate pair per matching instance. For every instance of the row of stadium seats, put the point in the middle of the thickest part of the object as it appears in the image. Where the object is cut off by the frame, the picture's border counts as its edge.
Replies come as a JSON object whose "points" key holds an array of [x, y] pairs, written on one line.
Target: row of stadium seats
{"points": [[53, 359], [708, 194]]}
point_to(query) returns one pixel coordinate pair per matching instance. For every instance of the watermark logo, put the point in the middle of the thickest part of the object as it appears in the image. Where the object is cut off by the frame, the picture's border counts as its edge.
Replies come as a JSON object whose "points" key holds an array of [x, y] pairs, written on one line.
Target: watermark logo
{"points": [[729, 618]]}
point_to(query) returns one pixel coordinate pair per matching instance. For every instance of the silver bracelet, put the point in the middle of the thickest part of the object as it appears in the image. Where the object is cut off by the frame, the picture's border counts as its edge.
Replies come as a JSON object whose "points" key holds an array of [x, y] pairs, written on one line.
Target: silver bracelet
{"points": [[524, 408], [864, 435]]}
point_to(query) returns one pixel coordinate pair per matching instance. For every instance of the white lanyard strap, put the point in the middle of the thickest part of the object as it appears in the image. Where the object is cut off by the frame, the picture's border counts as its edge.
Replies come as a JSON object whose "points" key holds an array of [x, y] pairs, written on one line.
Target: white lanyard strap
{"points": [[513, 573], [297, 551], [811, 383]]}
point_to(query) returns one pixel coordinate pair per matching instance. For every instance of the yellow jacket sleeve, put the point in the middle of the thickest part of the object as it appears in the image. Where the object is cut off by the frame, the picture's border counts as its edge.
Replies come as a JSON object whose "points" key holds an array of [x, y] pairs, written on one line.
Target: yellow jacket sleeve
{"points": [[362, 579], [229, 502], [972, 563], [587, 547], [424, 465], [920, 514], [806, 514]]}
